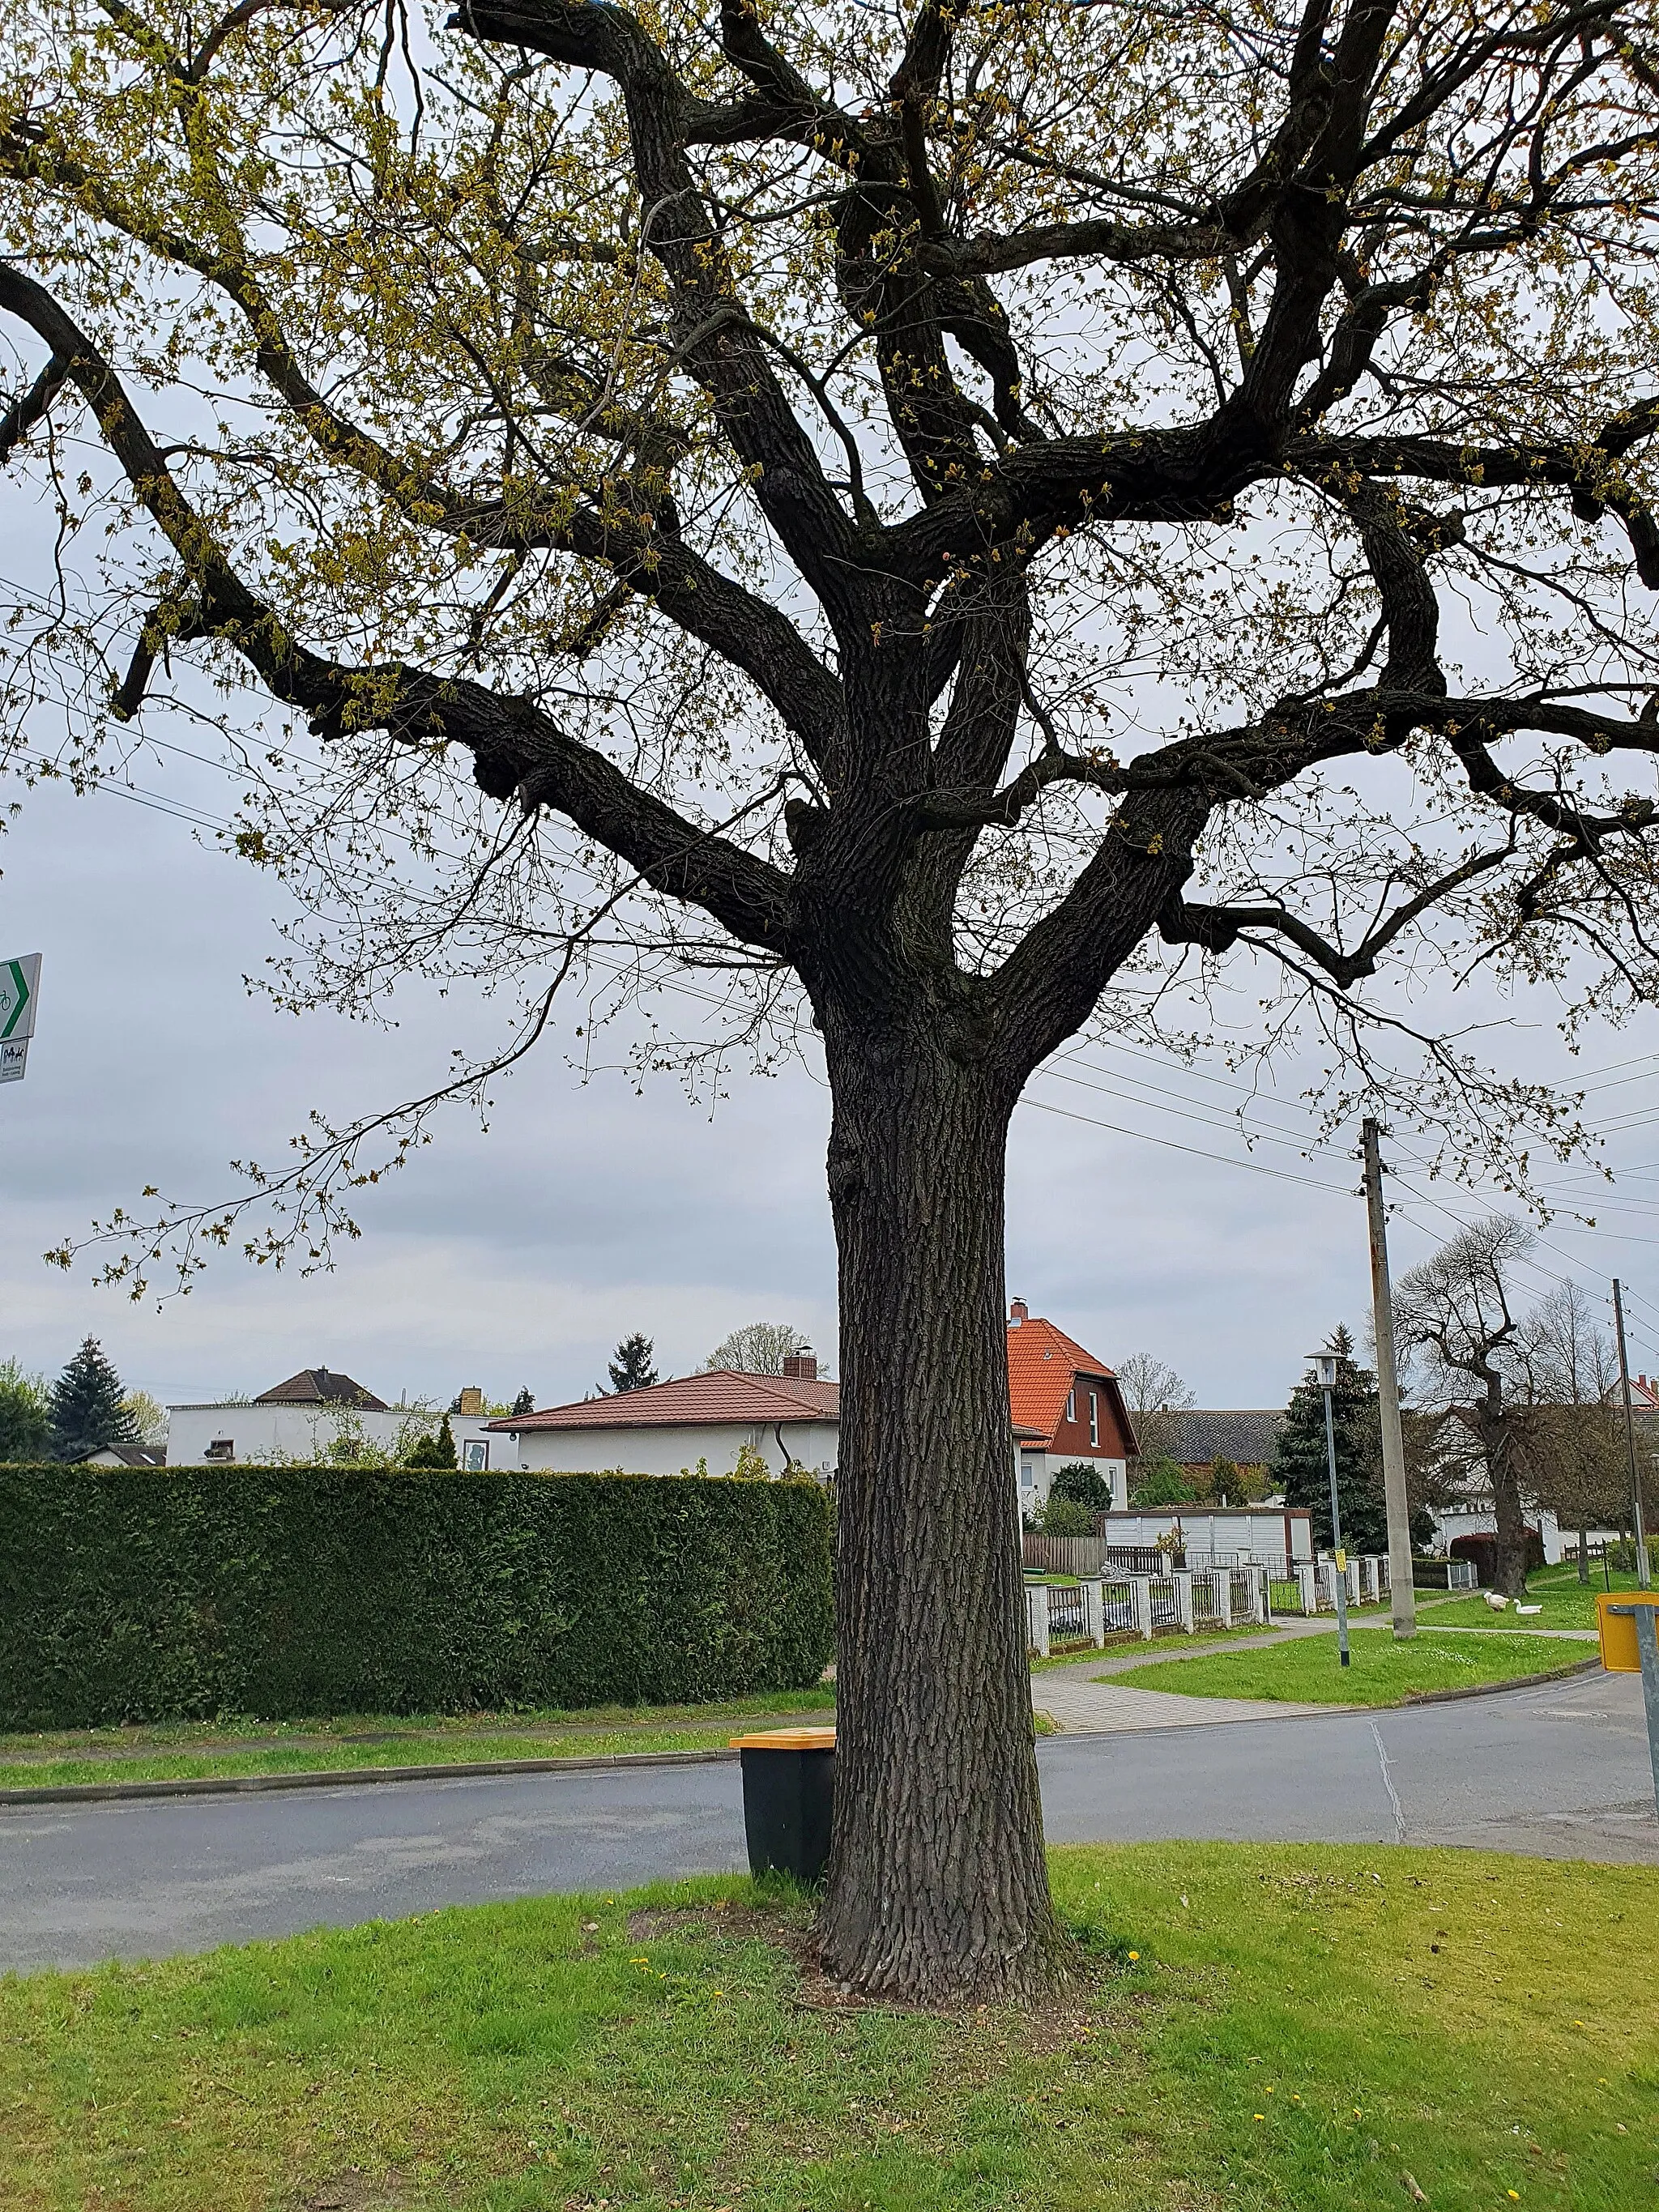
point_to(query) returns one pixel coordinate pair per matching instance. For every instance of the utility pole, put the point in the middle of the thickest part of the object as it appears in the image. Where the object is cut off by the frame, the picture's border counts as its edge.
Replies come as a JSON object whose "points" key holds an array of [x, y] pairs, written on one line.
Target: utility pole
{"points": [[1402, 1597], [1630, 1439]]}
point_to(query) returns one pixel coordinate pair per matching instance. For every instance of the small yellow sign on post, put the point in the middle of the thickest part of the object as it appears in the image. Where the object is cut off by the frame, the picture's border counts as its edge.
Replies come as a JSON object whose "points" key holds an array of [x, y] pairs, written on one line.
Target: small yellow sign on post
{"points": [[1341, 1559], [1615, 1616]]}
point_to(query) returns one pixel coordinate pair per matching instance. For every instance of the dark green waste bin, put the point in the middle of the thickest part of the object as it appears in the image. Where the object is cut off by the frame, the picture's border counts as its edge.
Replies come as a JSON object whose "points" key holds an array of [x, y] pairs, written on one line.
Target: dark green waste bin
{"points": [[788, 1800]]}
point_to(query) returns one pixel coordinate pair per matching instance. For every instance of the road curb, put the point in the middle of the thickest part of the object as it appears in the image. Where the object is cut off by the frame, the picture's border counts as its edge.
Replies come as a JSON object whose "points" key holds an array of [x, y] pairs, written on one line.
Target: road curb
{"points": [[1493, 1689], [328, 1777]]}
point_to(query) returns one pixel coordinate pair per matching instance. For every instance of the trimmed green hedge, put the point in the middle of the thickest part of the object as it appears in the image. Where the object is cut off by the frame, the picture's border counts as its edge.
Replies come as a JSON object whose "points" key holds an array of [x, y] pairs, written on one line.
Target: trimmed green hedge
{"points": [[184, 1593]]}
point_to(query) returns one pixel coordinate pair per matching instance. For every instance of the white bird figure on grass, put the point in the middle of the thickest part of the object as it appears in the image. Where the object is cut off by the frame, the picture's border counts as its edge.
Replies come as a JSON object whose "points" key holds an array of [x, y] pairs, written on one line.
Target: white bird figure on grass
{"points": [[1528, 1609], [1495, 1601]]}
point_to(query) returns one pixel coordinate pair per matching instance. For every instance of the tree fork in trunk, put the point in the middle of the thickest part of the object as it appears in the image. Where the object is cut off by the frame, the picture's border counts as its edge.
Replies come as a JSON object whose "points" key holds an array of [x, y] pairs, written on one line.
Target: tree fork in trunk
{"points": [[938, 1887]]}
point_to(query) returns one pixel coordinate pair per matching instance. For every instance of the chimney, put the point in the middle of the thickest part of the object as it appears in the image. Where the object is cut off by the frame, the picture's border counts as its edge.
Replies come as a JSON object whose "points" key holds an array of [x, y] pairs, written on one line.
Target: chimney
{"points": [[801, 1367], [1018, 1313], [472, 1402]]}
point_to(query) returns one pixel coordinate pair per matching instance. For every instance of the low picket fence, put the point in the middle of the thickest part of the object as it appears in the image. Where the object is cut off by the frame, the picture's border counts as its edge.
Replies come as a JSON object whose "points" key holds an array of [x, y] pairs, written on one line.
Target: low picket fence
{"points": [[1096, 1606]]}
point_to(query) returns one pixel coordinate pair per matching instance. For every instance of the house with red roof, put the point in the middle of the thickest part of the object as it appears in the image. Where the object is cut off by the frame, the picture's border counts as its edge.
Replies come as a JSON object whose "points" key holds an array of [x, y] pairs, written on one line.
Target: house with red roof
{"points": [[1067, 1405], [770, 1421]]}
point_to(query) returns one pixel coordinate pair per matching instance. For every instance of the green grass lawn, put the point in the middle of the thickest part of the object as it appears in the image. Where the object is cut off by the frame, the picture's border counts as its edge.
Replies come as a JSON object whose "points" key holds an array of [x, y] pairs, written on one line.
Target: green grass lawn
{"points": [[1383, 1673], [1564, 1602], [1263, 2029], [199, 1749]]}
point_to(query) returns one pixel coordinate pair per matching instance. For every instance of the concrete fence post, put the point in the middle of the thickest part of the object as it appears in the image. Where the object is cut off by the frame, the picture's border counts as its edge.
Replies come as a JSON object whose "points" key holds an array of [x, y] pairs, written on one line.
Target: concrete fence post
{"points": [[1188, 1618], [1304, 1580], [1037, 1618], [1261, 1603], [1372, 1580], [1353, 1582], [1094, 1612], [1142, 1587], [1224, 1596]]}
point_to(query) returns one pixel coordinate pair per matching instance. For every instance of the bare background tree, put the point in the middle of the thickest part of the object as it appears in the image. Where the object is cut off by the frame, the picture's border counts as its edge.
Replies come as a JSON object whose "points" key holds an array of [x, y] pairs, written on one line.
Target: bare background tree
{"points": [[759, 1348], [959, 523], [1579, 1464], [1520, 1398], [1155, 1394]]}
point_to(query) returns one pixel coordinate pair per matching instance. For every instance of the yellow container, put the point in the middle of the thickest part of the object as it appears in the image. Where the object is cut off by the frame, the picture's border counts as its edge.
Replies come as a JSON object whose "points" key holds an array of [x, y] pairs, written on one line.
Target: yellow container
{"points": [[1620, 1653]]}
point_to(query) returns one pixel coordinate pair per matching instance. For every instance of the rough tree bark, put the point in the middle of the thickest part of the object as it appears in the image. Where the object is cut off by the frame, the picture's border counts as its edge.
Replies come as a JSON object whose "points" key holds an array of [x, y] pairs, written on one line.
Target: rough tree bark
{"points": [[935, 1761]]}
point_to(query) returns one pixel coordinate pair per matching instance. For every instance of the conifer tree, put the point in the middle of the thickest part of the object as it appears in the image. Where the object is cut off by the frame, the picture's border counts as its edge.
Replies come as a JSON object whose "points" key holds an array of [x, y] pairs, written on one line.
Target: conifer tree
{"points": [[632, 1368], [87, 1411], [1301, 1468], [435, 1451], [526, 1402]]}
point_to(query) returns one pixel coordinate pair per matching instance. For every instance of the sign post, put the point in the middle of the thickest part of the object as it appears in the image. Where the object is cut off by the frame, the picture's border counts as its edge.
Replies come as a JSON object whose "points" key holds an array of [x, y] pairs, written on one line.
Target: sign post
{"points": [[20, 991], [1629, 1643]]}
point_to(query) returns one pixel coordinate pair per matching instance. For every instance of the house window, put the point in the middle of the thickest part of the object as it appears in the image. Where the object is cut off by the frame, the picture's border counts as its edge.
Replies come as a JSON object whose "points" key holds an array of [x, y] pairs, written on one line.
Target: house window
{"points": [[1094, 1421], [477, 1454], [220, 1448], [1071, 1404]]}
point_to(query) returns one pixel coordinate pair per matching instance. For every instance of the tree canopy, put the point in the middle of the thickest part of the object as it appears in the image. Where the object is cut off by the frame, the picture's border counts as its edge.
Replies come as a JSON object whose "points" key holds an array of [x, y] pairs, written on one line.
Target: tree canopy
{"points": [[88, 1405], [759, 1348], [632, 1368], [1302, 1468], [25, 1413]]}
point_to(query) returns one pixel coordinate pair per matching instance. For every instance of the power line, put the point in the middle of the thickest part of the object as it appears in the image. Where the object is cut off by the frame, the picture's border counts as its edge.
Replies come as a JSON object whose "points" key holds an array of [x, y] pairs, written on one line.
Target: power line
{"points": [[1254, 1167]]}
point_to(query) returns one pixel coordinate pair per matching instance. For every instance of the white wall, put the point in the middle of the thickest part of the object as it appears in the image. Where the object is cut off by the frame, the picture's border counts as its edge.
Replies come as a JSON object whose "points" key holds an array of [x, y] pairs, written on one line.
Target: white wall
{"points": [[1262, 1533], [677, 1446], [1481, 1521], [264, 1435], [1038, 1469]]}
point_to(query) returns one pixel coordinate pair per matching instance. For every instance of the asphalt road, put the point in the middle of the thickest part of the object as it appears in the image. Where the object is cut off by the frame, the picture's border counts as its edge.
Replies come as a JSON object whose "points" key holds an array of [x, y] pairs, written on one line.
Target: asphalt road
{"points": [[1560, 1771]]}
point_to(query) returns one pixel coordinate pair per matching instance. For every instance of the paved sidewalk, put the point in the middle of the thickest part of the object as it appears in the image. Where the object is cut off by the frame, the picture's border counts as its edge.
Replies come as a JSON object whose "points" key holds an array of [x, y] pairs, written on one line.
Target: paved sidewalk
{"points": [[1077, 1705]]}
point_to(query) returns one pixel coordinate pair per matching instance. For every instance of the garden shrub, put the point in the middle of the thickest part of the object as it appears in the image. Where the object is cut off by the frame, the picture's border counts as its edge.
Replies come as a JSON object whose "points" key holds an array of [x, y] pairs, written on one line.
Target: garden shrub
{"points": [[184, 1593]]}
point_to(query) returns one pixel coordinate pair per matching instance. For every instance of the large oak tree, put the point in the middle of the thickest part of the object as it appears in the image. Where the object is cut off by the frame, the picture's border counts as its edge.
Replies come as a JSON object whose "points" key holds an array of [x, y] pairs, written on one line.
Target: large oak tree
{"points": [[965, 512]]}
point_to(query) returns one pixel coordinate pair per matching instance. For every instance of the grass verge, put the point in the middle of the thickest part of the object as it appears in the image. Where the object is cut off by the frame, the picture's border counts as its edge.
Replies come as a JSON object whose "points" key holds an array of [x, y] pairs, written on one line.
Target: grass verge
{"points": [[200, 1750], [1563, 1600], [1383, 1673], [1261, 2027]]}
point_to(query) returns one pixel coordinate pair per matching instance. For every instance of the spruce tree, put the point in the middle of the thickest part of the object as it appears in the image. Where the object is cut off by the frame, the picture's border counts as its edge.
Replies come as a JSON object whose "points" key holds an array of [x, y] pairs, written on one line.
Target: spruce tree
{"points": [[631, 1369], [1301, 1468], [87, 1408], [524, 1403]]}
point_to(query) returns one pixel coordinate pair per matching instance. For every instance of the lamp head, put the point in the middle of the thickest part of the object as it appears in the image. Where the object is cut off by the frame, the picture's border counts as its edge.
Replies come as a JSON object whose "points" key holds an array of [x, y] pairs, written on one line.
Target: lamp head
{"points": [[1324, 1367]]}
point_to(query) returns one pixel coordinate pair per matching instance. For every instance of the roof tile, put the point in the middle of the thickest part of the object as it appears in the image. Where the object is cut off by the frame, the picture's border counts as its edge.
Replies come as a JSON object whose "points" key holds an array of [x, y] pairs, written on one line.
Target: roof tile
{"points": [[719, 1395]]}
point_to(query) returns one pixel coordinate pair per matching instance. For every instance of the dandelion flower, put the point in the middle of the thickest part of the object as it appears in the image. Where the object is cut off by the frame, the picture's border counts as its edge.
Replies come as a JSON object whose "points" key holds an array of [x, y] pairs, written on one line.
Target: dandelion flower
{"points": [[1134, 1955]]}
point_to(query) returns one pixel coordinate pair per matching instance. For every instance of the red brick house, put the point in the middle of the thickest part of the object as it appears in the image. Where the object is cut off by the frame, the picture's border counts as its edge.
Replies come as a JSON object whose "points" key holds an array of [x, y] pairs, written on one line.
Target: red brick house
{"points": [[1067, 1405]]}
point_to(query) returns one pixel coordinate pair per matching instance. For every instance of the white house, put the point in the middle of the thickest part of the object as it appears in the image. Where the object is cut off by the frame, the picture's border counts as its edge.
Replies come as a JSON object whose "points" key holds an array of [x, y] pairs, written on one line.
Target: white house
{"points": [[776, 1421], [299, 1422]]}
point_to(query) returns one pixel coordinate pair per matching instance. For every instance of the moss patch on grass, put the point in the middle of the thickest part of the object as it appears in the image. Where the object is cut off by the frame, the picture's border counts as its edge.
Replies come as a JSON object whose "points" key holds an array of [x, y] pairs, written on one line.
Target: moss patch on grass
{"points": [[1307, 1671], [1256, 2027]]}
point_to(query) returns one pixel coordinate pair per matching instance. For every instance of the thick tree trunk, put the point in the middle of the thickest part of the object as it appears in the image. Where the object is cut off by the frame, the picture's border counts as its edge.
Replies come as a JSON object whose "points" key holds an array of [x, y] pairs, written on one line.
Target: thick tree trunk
{"points": [[1503, 1462], [938, 1889]]}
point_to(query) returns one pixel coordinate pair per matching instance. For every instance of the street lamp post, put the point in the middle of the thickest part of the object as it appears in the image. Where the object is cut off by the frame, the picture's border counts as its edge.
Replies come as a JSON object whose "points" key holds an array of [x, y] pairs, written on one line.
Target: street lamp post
{"points": [[1324, 1366]]}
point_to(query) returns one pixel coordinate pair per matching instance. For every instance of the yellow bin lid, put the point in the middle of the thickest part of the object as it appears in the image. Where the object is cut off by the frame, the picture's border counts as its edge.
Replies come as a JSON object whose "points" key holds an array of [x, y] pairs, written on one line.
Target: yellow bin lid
{"points": [[806, 1739], [1620, 1653]]}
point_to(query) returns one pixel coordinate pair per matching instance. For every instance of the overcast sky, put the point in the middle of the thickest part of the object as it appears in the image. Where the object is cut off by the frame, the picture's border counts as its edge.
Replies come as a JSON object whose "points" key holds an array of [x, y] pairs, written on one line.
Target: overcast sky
{"points": [[588, 1212]]}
